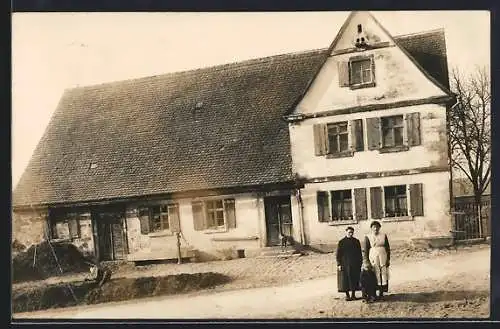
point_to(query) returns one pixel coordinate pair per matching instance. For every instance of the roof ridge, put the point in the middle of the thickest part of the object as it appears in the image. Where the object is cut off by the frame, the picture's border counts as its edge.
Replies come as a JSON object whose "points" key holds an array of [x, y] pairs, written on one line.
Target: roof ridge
{"points": [[247, 62], [440, 29]]}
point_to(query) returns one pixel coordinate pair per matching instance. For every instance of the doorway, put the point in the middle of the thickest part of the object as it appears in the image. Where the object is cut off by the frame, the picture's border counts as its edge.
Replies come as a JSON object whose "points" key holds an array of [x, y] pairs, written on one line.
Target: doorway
{"points": [[278, 218], [111, 237]]}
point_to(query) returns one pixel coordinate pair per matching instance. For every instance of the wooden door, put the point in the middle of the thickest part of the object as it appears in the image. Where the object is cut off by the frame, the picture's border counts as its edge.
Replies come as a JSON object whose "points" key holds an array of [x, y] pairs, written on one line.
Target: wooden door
{"points": [[111, 235], [278, 218]]}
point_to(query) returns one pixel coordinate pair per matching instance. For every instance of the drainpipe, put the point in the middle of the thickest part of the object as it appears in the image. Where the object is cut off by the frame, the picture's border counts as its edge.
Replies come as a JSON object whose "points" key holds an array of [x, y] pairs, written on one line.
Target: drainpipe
{"points": [[301, 216]]}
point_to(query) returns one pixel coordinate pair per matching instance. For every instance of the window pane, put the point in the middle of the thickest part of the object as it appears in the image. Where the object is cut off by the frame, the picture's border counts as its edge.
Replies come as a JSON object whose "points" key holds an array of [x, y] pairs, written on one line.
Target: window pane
{"points": [[401, 190], [333, 141], [336, 195], [402, 206], [367, 76], [390, 206], [343, 142], [387, 137], [164, 221], [366, 64], [342, 128], [220, 218], [209, 205], [347, 211], [398, 136], [355, 72], [211, 220], [398, 120], [218, 204]]}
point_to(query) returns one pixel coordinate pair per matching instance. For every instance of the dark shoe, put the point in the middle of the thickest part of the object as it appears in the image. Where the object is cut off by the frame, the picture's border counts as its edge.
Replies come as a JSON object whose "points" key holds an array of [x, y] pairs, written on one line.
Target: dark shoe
{"points": [[348, 299]]}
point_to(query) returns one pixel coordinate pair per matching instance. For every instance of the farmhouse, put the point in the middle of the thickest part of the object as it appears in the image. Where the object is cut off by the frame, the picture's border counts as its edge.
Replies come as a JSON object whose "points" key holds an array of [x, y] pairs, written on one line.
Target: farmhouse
{"points": [[233, 155]]}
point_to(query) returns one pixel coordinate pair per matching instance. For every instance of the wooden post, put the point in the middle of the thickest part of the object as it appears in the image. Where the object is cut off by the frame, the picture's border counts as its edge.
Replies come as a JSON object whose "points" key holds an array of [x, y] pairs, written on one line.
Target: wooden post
{"points": [[179, 258]]}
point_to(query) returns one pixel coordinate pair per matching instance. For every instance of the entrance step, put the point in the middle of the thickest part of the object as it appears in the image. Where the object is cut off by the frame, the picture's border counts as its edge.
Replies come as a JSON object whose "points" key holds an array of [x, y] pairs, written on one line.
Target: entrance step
{"points": [[277, 252]]}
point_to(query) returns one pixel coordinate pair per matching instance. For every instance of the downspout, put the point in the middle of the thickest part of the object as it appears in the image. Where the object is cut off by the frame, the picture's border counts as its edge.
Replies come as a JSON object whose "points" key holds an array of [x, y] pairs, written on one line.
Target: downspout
{"points": [[301, 216]]}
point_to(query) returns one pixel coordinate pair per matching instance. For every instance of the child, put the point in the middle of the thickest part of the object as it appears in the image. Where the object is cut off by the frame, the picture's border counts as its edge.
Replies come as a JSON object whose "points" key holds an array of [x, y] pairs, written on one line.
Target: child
{"points": [[368, 282]]}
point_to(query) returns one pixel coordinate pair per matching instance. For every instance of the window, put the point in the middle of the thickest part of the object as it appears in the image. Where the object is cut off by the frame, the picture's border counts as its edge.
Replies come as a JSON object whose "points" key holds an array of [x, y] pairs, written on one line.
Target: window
{"points": [[361, 71], [156, 218], [341, 205], [65, 225], [336, 206], [338, 137], [392, 131], [216, 214], [395, 201]]}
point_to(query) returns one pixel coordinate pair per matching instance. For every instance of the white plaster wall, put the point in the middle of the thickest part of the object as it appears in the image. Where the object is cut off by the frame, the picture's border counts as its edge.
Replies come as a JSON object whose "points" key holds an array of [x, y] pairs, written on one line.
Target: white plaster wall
{"points": [[435, 222], [250, 222], [397, 79], [431, 152]]}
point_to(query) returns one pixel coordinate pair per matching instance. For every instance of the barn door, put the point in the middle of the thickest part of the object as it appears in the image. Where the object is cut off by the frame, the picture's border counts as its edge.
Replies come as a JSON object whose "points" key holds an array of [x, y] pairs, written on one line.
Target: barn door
{"points": [[111, 235]]}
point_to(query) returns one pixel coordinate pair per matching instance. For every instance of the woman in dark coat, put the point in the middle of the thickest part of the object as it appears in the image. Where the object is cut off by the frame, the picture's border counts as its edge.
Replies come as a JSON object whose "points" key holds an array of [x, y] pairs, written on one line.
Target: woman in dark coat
{"points": [[349, 261]]}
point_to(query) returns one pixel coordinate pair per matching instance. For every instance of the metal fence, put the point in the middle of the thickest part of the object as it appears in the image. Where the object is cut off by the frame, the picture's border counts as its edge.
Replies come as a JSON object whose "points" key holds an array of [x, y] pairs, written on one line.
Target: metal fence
{"points": [[469, 223]]}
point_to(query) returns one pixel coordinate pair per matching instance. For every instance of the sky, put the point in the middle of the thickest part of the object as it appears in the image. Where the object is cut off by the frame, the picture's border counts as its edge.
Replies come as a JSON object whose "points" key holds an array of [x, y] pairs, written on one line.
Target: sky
{"points": [[55, 51]]}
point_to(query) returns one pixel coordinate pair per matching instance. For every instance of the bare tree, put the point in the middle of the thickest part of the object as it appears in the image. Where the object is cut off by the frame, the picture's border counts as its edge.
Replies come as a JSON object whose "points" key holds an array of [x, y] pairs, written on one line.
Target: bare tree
{"points": [[470, 129]]}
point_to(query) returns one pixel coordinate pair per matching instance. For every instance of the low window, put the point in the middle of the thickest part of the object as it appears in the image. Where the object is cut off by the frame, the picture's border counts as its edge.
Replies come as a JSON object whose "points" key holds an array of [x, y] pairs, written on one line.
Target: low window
{"points": [[395, 201], [157, 218], [392, 131], [65, 226], [341, 205], [338, 137], [217, 214], [335, 206]]}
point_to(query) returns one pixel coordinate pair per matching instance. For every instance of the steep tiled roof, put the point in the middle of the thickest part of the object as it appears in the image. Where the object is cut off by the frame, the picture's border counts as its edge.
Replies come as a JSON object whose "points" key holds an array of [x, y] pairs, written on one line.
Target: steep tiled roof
{"points": [[209, 128], [429, 50], [203, 129]]}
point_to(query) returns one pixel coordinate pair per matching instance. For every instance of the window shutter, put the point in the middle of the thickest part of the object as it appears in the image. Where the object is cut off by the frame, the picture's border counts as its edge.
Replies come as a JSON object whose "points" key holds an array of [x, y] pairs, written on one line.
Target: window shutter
{"points": [[413, 128], [174, 218], [360, 203], [416, 200], [230, 213], [320, 139], [73, 228], [343, 68], [376, 202], [198, 216], [144, 220], [323, 206], [373, 132], [357, 142], [373, 68]]}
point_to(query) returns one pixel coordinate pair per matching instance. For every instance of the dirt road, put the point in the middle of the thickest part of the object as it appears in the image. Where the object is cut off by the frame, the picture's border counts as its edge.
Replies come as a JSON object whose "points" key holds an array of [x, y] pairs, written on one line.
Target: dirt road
{"points": [[270, 302]]}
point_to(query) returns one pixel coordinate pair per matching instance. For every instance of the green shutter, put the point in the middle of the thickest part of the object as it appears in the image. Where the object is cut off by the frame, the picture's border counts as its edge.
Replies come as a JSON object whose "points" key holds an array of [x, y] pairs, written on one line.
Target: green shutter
{"points": [[343, 69], [360, 203], [321, 146], [198, 216], [416, 200], [144, 220], [323, 206], [230, 213], [373, 133], [376, 202], [173, 218], [357, 141], [413, 128]]}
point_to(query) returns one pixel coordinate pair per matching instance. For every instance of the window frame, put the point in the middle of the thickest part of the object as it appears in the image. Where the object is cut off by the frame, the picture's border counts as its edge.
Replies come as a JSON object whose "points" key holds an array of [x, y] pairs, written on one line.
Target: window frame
{"points": [[342, 202], [407, 217], [205, 211], [64, 218], [337, 135], [215, 210], [149, 208], [392, 128], [331, 221], [360, 59]]}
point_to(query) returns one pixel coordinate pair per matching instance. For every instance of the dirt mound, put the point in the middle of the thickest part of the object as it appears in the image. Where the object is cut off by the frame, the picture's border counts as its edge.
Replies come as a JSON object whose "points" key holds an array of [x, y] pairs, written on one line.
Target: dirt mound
{"points": [[53, 296], [38, 262]]}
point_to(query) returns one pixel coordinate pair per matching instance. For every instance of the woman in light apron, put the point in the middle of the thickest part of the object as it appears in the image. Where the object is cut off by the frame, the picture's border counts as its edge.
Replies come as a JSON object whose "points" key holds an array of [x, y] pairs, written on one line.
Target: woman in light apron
{"points": [[377, 254]]}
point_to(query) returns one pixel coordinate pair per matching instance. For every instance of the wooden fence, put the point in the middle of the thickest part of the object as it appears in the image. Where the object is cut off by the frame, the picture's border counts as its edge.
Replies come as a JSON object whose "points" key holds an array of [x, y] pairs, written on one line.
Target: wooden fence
{"points": [[469, 224]]}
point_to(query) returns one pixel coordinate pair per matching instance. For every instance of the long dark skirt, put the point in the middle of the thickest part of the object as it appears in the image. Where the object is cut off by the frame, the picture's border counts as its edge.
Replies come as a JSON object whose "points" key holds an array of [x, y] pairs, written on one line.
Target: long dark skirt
{"points": [[348, 279]]}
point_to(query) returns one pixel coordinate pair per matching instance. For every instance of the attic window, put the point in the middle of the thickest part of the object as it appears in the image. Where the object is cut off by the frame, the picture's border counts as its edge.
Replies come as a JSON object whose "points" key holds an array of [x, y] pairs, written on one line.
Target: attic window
{"points": [[198, 105], [93, 165], [360, 28]]}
